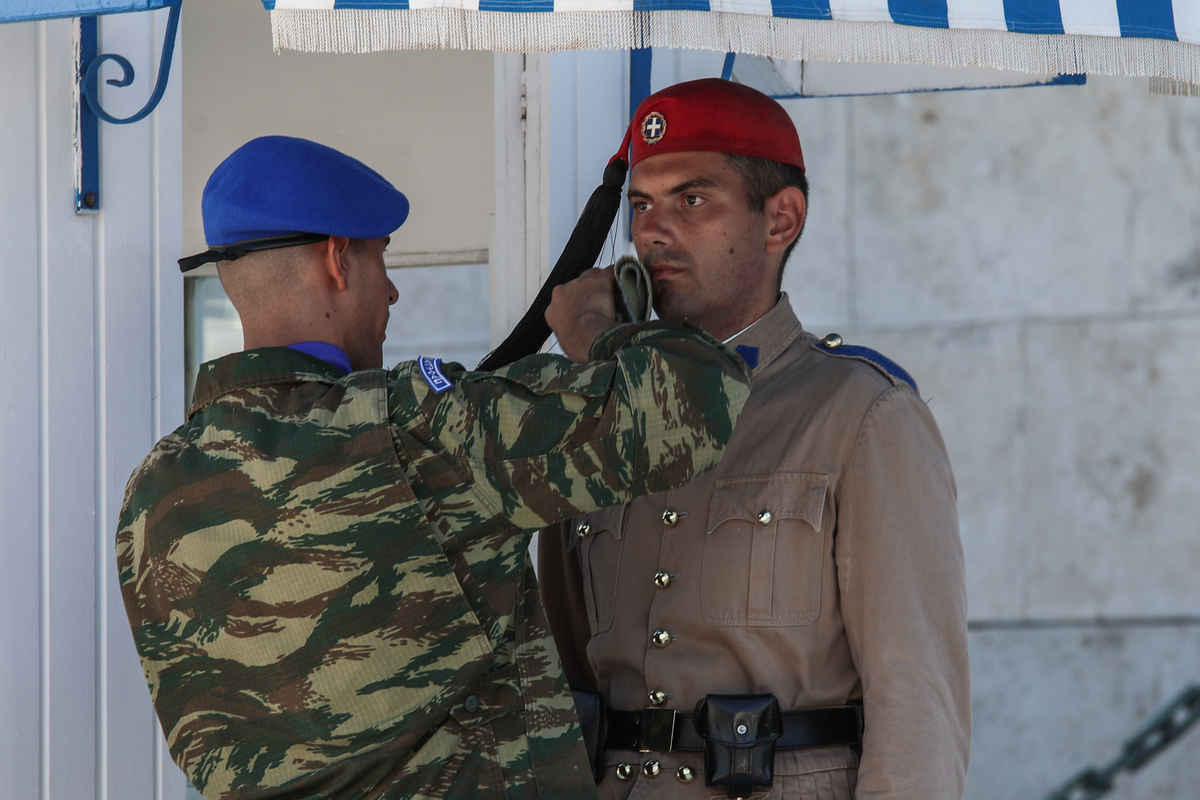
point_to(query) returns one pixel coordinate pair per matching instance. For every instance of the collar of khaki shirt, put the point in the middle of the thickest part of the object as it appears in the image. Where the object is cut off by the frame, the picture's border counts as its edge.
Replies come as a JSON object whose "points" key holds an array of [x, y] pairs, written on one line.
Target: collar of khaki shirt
{"points": [[773, 333]]}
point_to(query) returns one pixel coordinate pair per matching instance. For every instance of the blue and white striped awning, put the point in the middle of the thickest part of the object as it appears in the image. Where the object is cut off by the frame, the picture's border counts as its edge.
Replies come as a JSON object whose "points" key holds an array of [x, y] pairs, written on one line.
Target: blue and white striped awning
{"points": [[1156, 38], [22, 10]]}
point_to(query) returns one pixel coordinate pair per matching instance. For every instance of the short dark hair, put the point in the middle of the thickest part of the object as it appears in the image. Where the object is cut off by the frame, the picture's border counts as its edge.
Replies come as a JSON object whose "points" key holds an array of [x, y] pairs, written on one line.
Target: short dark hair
{"points": [[763, 178]]}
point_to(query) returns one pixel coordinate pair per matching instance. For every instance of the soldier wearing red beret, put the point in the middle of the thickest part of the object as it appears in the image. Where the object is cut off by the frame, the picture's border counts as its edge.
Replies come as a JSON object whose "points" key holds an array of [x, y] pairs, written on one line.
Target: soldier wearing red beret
{"points": [[792, 624]]}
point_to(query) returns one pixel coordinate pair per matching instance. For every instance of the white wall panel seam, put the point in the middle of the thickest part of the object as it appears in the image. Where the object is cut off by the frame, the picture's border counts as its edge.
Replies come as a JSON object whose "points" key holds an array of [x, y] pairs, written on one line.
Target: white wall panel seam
{"points": [[156, 246], [43, 262], [156, 351], [20, 545], [100, 490]]}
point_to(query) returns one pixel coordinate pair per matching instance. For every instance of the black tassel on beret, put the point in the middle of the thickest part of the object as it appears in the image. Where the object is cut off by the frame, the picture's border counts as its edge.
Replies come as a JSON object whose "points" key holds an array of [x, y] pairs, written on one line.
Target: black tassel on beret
{"points": [[581, 252]]}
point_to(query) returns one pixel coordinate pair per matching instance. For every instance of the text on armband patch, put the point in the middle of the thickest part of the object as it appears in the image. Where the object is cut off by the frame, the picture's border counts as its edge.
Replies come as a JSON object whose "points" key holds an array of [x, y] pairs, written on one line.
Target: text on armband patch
{"points": [[431, 369]]}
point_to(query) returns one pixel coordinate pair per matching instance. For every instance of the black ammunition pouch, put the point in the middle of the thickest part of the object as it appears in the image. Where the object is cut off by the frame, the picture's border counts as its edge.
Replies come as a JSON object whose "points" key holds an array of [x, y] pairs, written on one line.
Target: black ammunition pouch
{"points": [[739, 731], [593, 718]]}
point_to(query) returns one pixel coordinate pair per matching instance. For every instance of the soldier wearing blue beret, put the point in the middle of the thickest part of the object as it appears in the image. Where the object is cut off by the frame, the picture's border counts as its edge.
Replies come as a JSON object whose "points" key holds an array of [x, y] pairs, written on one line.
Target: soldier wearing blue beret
{"points": [[325, 567]]}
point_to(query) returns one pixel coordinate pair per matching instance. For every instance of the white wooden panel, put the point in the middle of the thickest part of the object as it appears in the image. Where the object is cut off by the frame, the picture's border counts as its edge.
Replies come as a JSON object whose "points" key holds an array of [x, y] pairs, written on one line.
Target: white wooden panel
{"points": [[507, 245], [519, 247], [589, 111], [20, 665], [66, 329], [90, 373], [135, 267]]}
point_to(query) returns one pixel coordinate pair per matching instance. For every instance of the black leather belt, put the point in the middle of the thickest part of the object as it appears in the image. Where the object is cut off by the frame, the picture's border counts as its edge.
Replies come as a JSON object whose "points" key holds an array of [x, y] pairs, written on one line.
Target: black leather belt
{"points": [[662, 730]]}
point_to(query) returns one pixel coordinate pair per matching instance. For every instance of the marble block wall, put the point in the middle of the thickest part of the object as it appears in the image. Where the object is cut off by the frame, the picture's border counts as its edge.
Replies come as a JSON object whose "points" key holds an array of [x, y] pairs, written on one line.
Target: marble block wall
{"points": [[1032, 257]]}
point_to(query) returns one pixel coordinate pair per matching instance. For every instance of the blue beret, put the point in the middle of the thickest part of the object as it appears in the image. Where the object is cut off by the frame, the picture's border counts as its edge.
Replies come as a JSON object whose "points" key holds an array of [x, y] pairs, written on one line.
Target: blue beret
{"points": [[276, 187]]}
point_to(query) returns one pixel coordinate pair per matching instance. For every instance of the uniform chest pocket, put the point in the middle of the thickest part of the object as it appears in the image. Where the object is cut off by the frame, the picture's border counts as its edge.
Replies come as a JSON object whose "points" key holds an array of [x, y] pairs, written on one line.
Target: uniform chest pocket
{"points": [[598, 546], [764, 550]]}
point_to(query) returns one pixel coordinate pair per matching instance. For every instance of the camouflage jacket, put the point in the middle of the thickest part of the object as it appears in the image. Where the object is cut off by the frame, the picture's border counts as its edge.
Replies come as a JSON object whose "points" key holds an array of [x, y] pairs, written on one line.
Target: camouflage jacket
{"points": [[327, 575]]}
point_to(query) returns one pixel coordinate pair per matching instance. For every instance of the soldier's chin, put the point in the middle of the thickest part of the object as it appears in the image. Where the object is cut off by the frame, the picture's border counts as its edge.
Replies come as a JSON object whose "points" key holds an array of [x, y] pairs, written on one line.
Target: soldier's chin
{"points": [[668, 311]]}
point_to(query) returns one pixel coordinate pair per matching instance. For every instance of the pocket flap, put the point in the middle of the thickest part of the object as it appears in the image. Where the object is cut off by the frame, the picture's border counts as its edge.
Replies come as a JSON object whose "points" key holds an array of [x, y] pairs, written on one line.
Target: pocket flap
{"points": [[605, 521], [794, 495]]}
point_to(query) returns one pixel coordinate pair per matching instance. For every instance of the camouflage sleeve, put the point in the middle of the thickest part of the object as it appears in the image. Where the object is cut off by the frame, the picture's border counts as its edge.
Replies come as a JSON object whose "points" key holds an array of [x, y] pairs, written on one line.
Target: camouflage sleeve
{"points": [[546, 438]]}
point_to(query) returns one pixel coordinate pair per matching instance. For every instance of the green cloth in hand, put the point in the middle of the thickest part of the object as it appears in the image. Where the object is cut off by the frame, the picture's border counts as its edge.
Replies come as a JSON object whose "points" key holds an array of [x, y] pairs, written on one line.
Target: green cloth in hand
{"points": [[634, 293]]}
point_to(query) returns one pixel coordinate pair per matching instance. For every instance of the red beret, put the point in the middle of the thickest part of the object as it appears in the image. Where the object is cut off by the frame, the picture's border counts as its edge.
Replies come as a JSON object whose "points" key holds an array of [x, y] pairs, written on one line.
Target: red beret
{"points": [[712, 115]]}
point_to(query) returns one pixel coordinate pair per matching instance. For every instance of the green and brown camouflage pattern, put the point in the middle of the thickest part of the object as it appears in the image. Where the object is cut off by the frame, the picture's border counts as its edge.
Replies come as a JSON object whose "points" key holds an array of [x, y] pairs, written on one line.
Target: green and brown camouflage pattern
{"points": [[322, 570]]}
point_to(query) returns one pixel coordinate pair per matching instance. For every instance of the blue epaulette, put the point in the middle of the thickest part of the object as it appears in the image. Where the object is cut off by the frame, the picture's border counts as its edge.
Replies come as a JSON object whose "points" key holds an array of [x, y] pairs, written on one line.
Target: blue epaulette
{"points": [[833, 345]]}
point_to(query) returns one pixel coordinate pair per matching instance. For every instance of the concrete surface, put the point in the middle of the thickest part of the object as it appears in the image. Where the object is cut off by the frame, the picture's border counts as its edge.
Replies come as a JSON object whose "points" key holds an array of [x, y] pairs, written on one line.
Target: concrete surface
{"points": [[1032, 257]]}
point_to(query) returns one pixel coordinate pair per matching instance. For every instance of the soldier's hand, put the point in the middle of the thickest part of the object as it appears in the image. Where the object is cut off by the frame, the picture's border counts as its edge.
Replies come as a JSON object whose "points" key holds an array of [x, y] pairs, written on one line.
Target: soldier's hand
{"points": [[580, 310]]}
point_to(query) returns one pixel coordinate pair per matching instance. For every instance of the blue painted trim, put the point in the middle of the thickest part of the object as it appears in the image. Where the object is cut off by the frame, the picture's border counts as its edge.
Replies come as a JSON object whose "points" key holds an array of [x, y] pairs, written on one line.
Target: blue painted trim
{"points": [[641, 66], [641, 63], [1063, 80], [727, 68], [1058, 80], [91, 76], [87, 179]]}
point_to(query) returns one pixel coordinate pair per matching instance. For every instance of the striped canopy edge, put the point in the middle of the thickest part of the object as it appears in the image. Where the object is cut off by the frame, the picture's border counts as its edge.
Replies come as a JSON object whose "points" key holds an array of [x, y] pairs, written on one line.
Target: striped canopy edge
{"points": [[1159, 39]]}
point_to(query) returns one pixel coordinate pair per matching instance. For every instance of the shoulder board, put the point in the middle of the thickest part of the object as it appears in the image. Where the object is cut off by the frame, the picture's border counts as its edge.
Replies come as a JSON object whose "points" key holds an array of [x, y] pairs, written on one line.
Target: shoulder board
{"points": [[833, 345]]}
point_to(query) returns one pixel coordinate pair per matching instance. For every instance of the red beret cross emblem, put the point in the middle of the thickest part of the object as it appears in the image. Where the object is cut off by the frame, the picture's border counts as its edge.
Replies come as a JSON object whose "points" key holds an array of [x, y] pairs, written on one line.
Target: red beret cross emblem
{"points": [[654, 127]]}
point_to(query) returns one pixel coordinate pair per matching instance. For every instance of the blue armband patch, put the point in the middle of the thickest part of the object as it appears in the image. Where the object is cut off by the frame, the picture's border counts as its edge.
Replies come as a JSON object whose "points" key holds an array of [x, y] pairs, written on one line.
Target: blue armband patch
{"points": [[431, 369], [832, 344]]}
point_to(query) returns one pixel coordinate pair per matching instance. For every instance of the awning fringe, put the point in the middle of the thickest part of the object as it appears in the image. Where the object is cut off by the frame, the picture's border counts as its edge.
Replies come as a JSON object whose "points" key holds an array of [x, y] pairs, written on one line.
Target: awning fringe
{"points": [[372, 30]]}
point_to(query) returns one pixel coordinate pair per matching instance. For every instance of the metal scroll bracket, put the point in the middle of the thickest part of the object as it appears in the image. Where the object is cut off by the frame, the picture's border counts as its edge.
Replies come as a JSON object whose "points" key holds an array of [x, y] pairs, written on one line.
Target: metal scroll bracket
{"points": [[88, 111]]}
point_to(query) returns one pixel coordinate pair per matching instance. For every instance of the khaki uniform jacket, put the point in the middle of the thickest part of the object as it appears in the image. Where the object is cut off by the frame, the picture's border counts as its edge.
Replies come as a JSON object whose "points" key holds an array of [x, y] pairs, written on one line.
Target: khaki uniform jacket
{"points": [[820, 561], [327, 575]]}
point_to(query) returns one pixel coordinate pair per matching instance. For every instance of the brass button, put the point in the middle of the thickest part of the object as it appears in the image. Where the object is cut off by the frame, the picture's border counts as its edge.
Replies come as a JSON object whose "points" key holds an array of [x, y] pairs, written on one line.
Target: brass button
{"points": [[584, 529], [652, 769], [661, 638], [686, 774], [670, 518], [624, 772], [764, 517], [662, 580], [658, 697], [833, 341]]}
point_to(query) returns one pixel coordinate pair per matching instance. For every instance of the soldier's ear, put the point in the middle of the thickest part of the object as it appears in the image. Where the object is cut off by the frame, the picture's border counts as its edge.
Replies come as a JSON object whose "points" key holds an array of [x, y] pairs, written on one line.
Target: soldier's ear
{"points": [[335, 253], [784, 212]]}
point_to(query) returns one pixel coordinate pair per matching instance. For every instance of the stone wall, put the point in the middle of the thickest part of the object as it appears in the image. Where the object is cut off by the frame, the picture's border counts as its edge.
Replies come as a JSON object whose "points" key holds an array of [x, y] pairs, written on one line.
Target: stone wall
{"points": [[1032, 257]]}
